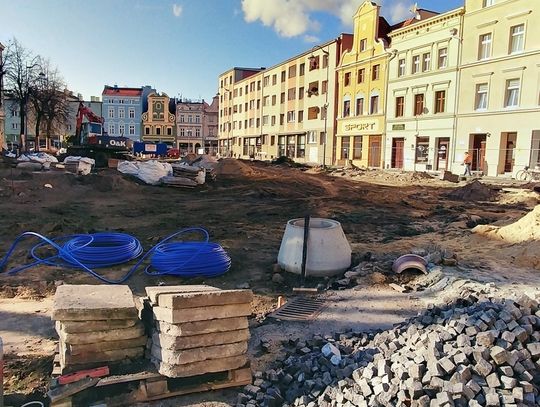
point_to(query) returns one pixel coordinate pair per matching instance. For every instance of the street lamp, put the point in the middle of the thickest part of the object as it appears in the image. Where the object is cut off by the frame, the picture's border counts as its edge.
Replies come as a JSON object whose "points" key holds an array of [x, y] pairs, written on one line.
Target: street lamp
{"points": [[325, 107]]}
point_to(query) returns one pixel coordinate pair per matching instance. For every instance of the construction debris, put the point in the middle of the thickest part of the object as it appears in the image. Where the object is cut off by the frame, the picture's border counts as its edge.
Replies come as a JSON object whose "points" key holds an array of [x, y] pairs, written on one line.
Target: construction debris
{"points": [[96, 325], [472, 352], [473, 191], [198, 329]]}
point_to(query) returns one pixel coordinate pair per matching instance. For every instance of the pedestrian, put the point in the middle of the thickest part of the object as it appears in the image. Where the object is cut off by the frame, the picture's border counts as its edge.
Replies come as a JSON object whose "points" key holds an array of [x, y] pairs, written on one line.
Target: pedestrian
{"points": [[467, 161]]}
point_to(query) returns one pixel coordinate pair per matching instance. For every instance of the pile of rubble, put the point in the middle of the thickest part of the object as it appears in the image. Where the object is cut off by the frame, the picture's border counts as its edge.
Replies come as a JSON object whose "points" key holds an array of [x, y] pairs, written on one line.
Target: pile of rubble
{"points": [[96, 325], [473, 352], [198, 329]]}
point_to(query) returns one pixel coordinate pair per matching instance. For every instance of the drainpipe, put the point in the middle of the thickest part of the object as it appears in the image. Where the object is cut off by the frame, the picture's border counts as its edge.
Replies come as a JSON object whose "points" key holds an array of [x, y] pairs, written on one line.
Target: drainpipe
{"points": [[453, 141], [391, 55]]}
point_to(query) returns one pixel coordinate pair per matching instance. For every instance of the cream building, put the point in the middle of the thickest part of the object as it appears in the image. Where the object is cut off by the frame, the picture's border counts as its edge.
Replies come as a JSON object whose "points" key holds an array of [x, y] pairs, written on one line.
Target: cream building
{"points": [[422, 89], [284, 110], [158, 122], [498, 109]]}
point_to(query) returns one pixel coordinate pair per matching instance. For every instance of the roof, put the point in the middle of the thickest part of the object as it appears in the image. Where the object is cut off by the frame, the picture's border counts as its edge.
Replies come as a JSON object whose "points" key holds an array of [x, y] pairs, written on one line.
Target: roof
{"points": [[422, 15], [116, 91]]}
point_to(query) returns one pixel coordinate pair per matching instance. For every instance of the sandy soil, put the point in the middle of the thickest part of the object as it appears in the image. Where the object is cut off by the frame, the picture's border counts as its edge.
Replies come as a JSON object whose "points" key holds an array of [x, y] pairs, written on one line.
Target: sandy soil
{"points": [[245, 210]]}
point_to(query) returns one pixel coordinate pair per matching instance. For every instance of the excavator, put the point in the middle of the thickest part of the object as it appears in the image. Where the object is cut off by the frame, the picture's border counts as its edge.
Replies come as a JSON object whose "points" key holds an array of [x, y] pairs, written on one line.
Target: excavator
{"points": [[93, 142]]}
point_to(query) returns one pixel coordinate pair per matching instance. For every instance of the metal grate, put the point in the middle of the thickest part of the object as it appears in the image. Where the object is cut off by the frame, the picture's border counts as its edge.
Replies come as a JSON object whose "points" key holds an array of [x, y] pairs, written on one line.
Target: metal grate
{"points": [[299, 309]]}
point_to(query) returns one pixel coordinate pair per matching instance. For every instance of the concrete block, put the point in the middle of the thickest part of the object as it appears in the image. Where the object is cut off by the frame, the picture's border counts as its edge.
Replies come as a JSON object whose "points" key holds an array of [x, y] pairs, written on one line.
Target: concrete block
{"points": [[172, 357], [93, 302], [198, 368], [135, 331], [180, 300], [499, 355], [156, 291], [74, 327], [202, 327], [165, 341], [201, 313], [106, 345], [102, 356]]}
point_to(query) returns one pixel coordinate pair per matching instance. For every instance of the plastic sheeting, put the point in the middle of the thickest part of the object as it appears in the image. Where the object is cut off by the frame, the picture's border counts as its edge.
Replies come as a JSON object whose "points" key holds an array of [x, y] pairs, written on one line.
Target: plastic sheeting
{"points": [[150, 172]]}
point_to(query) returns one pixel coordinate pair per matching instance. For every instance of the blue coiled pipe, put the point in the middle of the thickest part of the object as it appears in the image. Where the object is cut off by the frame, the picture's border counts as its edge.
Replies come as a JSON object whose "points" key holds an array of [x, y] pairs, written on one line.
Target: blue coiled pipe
{"points": [[106, 249]]}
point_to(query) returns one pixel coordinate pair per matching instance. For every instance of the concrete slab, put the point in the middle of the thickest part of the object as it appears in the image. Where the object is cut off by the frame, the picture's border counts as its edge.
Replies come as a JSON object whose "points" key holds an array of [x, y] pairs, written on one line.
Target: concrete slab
{"points": [[198, 368], [202, 327], [204, 299], [99, 336], [106, 345], [74, 327], [165, 341], [154, 292], [201, 313], [93, 302], [207, 353], [103, 356]]}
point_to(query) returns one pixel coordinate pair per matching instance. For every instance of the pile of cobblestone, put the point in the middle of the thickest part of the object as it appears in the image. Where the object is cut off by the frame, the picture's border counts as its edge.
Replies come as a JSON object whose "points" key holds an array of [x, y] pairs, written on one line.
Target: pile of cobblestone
{"points": [[473, 352]]}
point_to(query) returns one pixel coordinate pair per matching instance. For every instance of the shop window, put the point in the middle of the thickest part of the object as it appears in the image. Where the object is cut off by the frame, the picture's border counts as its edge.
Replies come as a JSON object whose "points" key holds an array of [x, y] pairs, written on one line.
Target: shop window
{"points": [[357, 148], [422, 150]]}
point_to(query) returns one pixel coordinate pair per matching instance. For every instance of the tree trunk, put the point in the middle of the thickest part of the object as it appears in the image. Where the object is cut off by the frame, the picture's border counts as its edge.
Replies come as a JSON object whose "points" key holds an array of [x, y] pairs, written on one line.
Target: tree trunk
{"points": [[38, 122], [22, 115]]}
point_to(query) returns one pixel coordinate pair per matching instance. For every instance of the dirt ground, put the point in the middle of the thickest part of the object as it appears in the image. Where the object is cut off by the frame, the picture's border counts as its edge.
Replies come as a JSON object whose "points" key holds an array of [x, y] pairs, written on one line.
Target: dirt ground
{"points": [[383, 215]]}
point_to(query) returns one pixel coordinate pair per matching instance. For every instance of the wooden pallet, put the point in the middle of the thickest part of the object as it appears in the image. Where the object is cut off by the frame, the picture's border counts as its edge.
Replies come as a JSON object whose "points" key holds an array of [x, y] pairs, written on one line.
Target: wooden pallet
{"points": [[159, 388]]}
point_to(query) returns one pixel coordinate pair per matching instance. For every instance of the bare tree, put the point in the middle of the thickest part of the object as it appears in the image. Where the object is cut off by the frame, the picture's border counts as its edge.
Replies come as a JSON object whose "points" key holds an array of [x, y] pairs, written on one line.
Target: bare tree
{"points": [[50, 103], [22, 69]]}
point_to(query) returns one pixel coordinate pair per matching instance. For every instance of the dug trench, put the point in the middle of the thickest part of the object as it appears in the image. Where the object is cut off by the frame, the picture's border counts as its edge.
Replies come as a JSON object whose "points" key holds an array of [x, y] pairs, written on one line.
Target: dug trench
{"points": [[245, 210]]}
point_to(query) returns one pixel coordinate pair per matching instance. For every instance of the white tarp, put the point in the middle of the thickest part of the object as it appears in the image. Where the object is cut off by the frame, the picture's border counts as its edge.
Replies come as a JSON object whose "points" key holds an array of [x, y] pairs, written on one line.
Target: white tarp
{"points": [[84, 164], [150, 172]]}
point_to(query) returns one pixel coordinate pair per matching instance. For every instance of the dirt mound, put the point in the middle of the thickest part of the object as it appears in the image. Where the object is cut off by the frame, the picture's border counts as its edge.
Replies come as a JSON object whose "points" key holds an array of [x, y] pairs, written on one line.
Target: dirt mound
{"points": [[106, 181], [526, 229], [232, 167], [474, 191]]}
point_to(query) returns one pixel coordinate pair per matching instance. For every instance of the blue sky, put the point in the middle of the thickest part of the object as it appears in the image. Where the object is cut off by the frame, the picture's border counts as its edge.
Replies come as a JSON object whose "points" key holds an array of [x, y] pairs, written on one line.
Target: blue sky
{"points": [[181, 46]]}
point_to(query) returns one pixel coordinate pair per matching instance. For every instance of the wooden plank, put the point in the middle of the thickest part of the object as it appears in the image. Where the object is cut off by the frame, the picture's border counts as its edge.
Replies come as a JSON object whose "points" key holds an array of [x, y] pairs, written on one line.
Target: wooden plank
{"points": [[67, 390], [76, 376], [127, 378]]}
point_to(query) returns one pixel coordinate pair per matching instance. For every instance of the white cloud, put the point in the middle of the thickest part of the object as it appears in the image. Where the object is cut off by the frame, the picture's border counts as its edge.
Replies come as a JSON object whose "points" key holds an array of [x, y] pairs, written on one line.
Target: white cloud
{"points": [[292, 18], [310, 39], [177, 10]]}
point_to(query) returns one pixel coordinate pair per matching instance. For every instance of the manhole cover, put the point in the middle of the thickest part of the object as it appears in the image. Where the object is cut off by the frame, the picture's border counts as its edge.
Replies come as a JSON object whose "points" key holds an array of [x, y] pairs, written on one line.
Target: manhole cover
{"points": [[299, 309]]}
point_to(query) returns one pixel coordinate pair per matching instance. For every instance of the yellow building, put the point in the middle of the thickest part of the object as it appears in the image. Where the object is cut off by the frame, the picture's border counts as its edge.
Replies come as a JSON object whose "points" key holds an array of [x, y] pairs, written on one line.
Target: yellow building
{"points": [[362, 90], [498, 117], [158, 122]]}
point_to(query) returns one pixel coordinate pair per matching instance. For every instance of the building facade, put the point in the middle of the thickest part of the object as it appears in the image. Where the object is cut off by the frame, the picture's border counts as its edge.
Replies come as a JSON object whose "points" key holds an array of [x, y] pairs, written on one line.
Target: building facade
{"points": [[210, 127], [499, 104], [2, 114], [422, 90], [362, 80], [122, 110], [158, 122], [190, 135], [286, 110]]}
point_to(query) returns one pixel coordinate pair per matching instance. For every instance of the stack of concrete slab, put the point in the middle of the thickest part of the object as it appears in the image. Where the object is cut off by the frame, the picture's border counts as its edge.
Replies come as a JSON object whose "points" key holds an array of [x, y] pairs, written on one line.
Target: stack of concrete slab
{"points": [[199, 329], [97, 325]]}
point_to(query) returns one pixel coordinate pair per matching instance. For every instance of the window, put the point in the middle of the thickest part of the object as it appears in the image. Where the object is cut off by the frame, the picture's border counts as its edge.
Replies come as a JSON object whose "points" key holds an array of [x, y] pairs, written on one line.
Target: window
{"points": [[314, 63], [401, 67], [14, 113], [169, 131], [282, 99], [182, 132], [302, 69], [111, 128], [266, 81], [292, 71], [281, 146], [347, 81], [375, 72], [147, 130], [291, 116], [346, 108], [301, 93], [484, 46], [517, 38], [442, 60], [325, 61], [359, 106], [131, 129], [426, 62], [252, 87], [258, 103], [121, 129], [251, 123], [313, 88], [111, 112], [422, 150], [511, 98], [131, 112], [14, 126], [301, 147], [273, 100], [121, 113], [274, 79], [273, 121], [266, 100], [313, 113], [197, 132], [283, 76], [361, 75], [312, 137], [363, 44], [158, 131], [345, 146], [440, 101], [300, 116], [374, 108], [198, 118], [488, 3], [416, 64], [400, 105], [357, 148], [418, 104], [291, 94], [281, 119]]}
